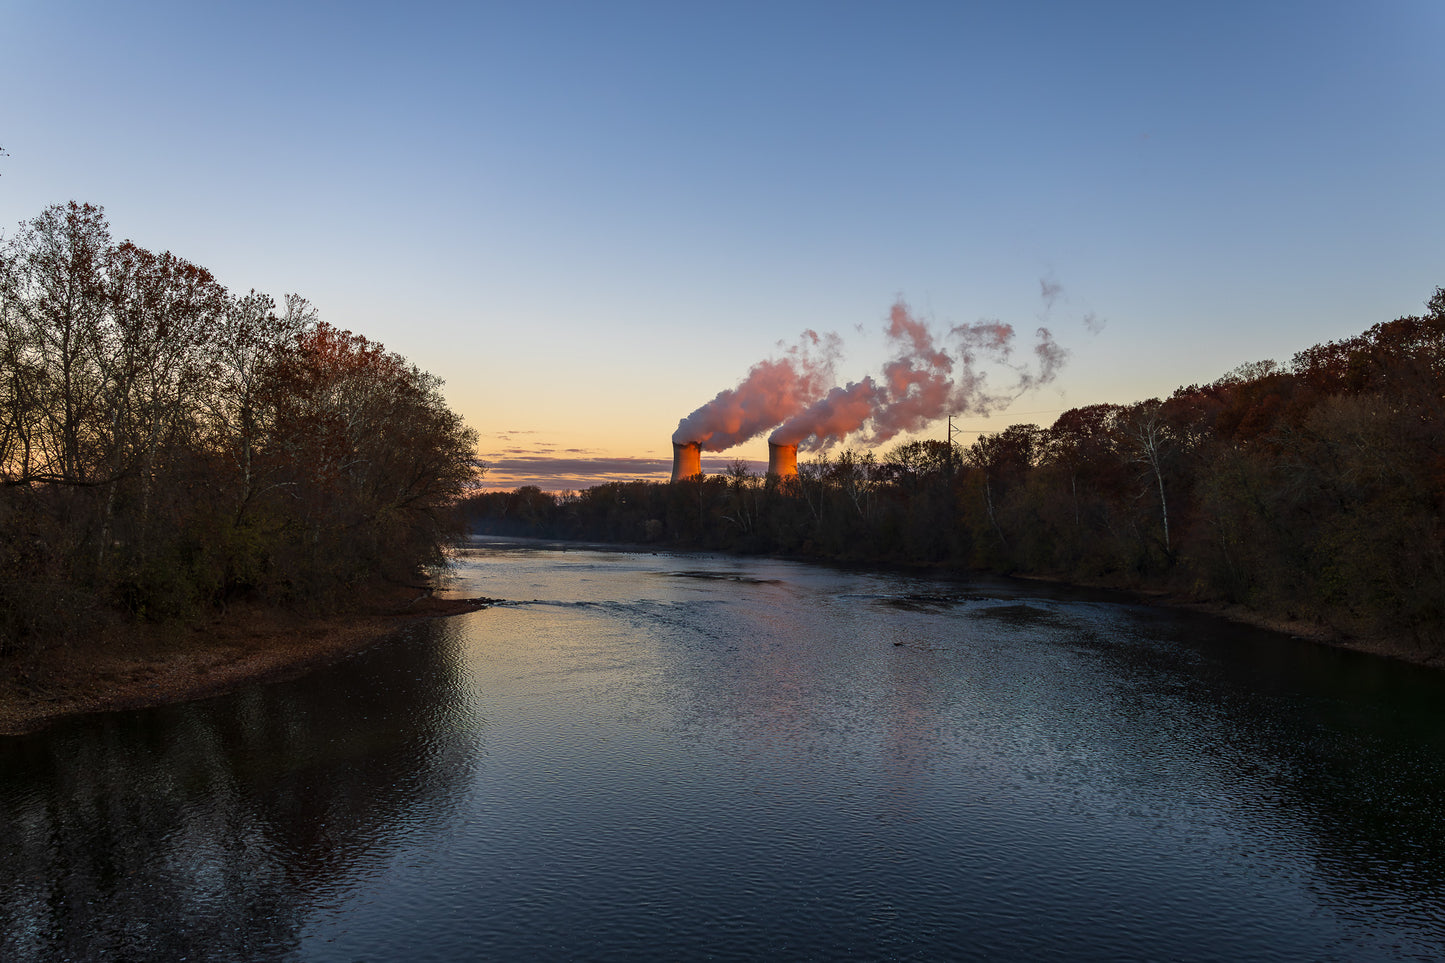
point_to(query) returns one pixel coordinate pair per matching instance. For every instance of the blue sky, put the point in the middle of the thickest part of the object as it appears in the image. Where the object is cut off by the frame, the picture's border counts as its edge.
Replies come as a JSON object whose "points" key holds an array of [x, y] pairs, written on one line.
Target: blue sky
{"points": [[590, 218]]}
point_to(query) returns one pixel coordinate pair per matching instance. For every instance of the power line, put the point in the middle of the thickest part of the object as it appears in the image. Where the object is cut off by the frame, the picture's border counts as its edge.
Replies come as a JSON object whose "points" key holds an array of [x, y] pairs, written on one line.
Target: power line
{"points": [[1041, 411]]}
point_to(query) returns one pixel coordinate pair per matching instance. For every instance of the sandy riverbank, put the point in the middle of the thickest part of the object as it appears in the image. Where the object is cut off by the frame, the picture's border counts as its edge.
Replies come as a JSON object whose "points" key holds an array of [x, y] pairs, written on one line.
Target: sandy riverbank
{"points": [[132, 668]]}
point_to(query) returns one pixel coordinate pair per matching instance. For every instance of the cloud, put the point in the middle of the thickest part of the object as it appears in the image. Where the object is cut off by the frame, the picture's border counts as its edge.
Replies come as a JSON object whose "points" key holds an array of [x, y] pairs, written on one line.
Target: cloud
{"points": [[574, 474]]}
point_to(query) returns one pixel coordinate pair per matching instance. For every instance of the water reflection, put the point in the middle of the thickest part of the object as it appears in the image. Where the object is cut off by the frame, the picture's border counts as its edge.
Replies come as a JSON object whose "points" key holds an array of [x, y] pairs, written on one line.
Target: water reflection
{"points": [[1271, 756], [1349, 747], [659, 757], [209, 831]]}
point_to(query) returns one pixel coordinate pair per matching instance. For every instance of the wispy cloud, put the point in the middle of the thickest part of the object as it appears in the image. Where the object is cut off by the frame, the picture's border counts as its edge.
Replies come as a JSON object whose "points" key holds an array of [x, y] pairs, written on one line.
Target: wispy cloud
{"points": [[507, 470]]}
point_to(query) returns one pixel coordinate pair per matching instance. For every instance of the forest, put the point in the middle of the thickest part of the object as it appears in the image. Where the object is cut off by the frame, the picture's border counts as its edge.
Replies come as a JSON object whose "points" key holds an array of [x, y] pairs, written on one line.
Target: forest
{"points": [[1311, 490], [168, 448]]}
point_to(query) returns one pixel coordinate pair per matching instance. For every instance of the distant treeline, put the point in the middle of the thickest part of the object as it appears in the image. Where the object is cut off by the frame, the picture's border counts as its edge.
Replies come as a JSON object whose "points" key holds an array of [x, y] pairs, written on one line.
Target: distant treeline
{"points": [[167, 447], [1311, 490]]}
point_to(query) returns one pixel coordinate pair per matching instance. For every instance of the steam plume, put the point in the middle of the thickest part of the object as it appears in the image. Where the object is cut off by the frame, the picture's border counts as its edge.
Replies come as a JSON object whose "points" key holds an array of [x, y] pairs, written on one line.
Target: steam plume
{"points": [[841, 412], [918, 380], [1049, 290], [921, 383], [1051, 357], [773, 390]]}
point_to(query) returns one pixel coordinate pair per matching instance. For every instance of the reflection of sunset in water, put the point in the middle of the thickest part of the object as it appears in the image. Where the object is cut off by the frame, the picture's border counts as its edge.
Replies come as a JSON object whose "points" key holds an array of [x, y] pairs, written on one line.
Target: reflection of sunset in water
{"points": [[654, 756]]}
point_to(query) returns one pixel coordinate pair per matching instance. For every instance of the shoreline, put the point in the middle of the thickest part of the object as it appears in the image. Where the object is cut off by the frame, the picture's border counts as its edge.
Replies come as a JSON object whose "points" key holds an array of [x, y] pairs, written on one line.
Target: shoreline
{"points": [[145, 667], [1318, 633], [1303, 629], [132, 667], [1314, 632]]}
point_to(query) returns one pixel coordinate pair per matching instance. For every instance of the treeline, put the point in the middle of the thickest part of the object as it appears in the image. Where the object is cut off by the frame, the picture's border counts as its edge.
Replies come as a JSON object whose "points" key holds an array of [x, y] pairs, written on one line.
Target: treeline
{"points": [[166, 446], [1313, 489]]}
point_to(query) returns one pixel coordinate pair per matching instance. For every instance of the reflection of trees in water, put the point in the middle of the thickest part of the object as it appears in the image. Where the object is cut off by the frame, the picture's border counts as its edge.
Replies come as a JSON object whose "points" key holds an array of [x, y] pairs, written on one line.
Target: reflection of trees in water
{"points": [[209, 830], [1369, 764], [1336, 756]]}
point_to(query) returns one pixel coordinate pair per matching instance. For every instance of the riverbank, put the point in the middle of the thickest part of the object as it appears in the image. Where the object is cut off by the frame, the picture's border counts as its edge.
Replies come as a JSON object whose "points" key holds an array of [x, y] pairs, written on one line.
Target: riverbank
{"points": [[1314, 632], [1311, 631], [135, 667]]}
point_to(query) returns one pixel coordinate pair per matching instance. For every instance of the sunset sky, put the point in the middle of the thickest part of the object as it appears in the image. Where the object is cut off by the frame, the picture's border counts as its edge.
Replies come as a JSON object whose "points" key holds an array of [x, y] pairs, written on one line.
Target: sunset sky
{"points": [[589, 218]]}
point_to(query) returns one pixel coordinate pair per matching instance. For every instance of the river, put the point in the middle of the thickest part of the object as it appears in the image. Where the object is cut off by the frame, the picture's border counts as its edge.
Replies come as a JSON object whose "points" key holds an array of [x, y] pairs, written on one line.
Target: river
{"points": [[664, 756]]}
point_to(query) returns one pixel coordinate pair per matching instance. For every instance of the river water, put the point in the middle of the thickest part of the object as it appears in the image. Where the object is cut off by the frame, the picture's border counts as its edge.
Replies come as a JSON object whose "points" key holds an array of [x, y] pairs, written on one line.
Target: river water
{"points": [[664, 756]]}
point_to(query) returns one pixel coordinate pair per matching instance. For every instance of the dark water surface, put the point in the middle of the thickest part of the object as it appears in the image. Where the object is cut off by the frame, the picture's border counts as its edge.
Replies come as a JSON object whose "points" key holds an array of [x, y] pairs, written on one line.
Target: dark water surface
{"points": [[696, 757]]}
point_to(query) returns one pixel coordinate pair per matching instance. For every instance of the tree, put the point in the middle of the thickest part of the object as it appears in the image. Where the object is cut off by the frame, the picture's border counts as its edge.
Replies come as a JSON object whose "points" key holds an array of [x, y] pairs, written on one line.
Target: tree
{"points": [[372, 457], [161, 314], [1079, 446], [1000, 460], [52, 283], [247, 347], [163, 444], [1145, 438], [742, 510], [857, 476]]}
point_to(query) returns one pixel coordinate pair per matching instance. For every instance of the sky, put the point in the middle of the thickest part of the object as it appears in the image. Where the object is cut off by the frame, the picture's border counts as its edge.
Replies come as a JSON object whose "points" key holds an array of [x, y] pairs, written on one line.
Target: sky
{"points": [[590, 218]]}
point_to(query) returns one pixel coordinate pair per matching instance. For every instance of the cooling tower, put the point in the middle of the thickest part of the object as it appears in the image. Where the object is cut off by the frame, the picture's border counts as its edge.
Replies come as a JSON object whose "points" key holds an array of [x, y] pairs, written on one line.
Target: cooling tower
{"points": [[686, 460], [782, 460]]}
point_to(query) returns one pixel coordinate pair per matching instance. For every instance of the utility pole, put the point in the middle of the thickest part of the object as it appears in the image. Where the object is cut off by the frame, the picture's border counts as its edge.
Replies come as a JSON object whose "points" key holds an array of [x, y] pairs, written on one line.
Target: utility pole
{"points": [[951, 432]]}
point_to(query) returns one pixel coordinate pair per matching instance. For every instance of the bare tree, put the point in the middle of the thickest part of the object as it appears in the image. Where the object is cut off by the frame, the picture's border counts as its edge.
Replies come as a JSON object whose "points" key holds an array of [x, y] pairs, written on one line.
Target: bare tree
{"points": [[1145, 438], [53, 287], [742, 485]]}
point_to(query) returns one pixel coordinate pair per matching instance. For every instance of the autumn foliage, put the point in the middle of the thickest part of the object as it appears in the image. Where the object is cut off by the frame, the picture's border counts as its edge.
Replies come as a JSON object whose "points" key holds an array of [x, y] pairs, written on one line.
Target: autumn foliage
{"points": [[167, 447], [1311, 490]]}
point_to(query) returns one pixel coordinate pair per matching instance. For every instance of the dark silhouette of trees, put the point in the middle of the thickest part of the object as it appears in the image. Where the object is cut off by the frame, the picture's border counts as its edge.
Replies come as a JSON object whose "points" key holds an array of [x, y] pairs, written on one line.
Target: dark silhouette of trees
{"points": [[367, 453], [166, 446]]}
